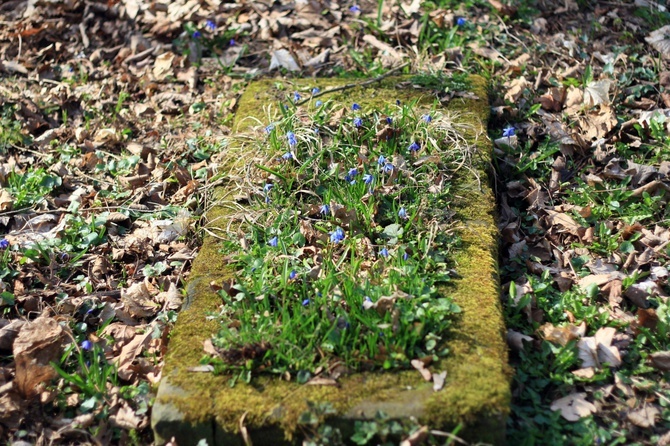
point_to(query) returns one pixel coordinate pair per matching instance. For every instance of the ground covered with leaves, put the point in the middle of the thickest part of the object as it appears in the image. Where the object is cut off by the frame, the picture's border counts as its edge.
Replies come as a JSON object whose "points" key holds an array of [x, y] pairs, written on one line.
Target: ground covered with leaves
{"points": [[114, 123]]}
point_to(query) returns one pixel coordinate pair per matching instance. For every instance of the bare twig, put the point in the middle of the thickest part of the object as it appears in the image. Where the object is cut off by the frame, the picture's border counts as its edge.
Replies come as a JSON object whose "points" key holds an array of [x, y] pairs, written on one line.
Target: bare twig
{"points": [[354, 85]]}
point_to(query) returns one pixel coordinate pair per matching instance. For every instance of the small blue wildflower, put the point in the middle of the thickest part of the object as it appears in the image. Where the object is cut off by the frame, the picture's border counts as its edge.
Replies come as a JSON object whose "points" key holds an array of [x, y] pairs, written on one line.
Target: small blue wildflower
{"points": [[355, 106], [355, 8], [305, 302], [402, 213], [337, 235], [315, 90], [367, 178], [210, 25], [296, 96], [384, 252], [388, 168], [509, 131], [319, 103], [414, 146], [274, 241], [269, 128], [315, 130], [405, 256], [324, 209], [389, 120], [461, 21], [397, 102], [64, 256], [287, 156], [267, 187], [358, 122], [86, 345], [232, 42], [292, 141], [267, 199], [292, 275], [381, 160], [427, 118], [4, 243], [196, 34], [353, 172]]}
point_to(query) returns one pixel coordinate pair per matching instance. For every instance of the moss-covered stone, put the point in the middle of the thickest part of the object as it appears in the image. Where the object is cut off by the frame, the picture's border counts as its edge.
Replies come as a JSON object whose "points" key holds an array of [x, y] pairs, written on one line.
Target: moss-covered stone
{"points": [[476, 394]]}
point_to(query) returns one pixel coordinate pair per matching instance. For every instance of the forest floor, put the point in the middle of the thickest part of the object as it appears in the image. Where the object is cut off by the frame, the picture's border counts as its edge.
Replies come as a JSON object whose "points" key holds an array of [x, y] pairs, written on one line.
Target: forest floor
{"points": [[114, 117]]}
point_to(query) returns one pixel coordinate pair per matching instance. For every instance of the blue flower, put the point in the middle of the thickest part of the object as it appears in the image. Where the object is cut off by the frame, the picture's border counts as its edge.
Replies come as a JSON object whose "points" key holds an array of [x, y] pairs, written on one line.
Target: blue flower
{"points": [[267, 199], [402, 213], [389, 120], [405, 256], [427, 118], [397, 102], [384, 252], [319, 103], [353, 172], [305, 302], [232, 42], [315, 90], [388, 168], [414, 146], [267, 187], [337, 235], [355, 8], [461, 21], [355, 106], [287, 156], [274, 241], [4, 243], [324, 209], [196, 34], [292, 141], [292, 275], [381, 160], [358, 121], [86, 345], [296, 96], [509, 131], [269, 128], [210, 25], [367, 178]]}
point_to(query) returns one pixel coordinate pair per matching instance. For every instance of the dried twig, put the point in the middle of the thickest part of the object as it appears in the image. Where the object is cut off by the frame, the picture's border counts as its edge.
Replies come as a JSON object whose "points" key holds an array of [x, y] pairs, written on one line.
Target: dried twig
{"points": [[353, 85]]}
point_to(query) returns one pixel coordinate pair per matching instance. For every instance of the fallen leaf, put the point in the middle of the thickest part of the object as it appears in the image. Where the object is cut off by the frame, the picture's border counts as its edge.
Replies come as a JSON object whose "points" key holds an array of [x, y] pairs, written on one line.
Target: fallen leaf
{"points": [[644, 417], [660, 360], [438, 380], [163, 65], [419, 365], [515, 340], [585, 373], [38, 344], [660, 41], [597, 92], [283, 59], [574, 406]]}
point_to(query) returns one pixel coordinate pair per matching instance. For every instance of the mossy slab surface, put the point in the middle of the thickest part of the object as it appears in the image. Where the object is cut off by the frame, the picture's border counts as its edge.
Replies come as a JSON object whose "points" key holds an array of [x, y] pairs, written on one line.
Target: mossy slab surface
{"points": [[194, 405]]}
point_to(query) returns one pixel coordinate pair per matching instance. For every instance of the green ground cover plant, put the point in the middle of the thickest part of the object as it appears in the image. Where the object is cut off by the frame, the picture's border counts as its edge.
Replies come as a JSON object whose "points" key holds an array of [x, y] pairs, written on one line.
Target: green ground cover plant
{"points": [[339, 256]]}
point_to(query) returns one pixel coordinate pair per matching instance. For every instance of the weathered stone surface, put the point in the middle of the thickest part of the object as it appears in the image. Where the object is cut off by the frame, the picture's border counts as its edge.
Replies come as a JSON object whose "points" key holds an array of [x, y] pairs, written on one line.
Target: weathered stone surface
{"points": [[193, 405]]}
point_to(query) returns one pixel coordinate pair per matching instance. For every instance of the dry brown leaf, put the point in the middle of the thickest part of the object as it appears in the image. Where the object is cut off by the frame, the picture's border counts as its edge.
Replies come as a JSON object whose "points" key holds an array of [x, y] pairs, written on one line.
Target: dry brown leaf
{"points": [[660, 360], [129, 352], [644, 417], [585, 373], [515, 89], [660, 41], [163, 65], [597, 92], [564, 220], [420, 366], [38, 344], [562, 335], [515, 340], [126, 418], [597, 350], [574, 406]]}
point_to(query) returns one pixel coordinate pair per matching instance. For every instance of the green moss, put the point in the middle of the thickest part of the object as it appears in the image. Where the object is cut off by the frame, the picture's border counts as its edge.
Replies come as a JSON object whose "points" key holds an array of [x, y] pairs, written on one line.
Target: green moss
{"points": [[476, 392]]}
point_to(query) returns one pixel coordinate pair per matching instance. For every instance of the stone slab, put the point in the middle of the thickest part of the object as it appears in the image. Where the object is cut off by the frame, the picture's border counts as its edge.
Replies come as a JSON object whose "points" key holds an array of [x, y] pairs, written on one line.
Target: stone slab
{"points": [[191, 406]]}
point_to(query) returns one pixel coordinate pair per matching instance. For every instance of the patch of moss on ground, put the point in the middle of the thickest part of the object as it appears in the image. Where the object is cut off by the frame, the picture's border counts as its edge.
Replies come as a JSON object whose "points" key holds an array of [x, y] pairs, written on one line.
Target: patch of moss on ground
{"points": [[476, 392]]}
